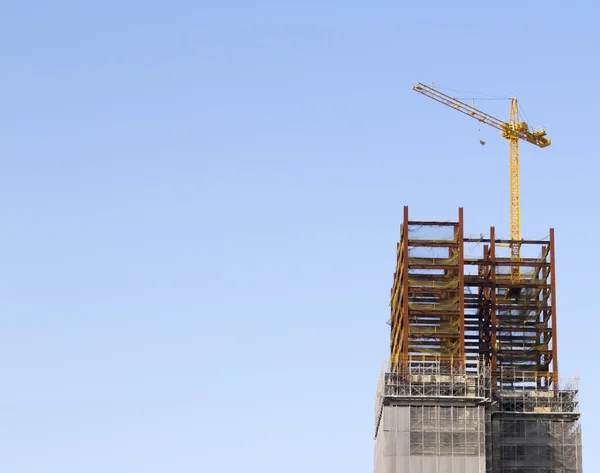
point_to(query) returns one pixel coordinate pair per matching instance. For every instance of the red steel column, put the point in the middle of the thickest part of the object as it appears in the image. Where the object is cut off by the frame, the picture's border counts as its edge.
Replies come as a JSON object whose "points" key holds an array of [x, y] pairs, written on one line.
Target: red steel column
{"points": [[405, 283], [554, 328], [461, 284], [493, 308], [540, 337], [485, 323]]}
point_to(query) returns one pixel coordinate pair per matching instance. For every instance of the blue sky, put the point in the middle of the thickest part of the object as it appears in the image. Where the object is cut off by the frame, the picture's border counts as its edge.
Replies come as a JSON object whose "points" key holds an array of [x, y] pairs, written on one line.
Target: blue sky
{"points": [[201, 202]]}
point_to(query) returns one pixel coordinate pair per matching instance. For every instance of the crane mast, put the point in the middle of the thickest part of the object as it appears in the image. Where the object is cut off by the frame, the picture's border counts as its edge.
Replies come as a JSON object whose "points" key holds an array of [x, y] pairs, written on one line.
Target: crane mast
{"points": [[513, 130], [515, 197]]}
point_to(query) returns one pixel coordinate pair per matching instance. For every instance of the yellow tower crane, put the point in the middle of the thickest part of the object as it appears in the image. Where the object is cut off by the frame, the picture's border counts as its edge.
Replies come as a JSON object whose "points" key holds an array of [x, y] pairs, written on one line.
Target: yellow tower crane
{"points": [[513, 130]]}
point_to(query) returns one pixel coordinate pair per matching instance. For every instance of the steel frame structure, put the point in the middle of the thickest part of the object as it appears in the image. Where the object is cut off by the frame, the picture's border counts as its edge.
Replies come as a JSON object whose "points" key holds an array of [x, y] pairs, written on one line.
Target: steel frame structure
{"points": [[443, 304], [513, 323], [427, 302]]}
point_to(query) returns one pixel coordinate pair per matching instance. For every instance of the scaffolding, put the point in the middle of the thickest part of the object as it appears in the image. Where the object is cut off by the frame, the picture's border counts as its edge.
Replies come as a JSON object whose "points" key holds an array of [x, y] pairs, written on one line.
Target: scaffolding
{"points": [[432, 378], [542, 444], [431, 416], [447, 430], [534, 429], [436, 377], [562, 399]]}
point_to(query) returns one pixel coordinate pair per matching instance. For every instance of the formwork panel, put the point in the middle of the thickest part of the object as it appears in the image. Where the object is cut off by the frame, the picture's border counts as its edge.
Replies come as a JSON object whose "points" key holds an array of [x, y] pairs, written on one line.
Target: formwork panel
{"points": [[402, 464], [389, 444], [403, 443], [445, 465], [389, 419], [388, 465], [415, 464]]}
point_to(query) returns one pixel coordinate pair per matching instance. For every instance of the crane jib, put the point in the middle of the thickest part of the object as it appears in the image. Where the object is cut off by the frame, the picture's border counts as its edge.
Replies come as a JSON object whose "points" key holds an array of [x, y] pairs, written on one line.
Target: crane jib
{"points": [[518, 130]]}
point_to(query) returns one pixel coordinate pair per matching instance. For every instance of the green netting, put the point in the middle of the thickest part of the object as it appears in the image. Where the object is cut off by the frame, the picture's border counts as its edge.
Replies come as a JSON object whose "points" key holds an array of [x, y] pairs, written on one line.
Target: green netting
{"points": [[447, 349], [543, 346], [433, 260], [432, 232], [445, 284], [442, 306], [434, 330]]}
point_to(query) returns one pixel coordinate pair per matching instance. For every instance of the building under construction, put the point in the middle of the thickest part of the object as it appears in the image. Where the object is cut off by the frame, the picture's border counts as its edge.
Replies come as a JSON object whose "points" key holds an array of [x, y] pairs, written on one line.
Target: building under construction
{"points": [[472, 383]]}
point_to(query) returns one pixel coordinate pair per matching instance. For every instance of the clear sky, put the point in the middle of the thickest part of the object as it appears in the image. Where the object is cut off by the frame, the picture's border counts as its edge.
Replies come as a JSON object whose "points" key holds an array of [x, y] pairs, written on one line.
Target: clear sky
{"points": [[201, 202]]}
